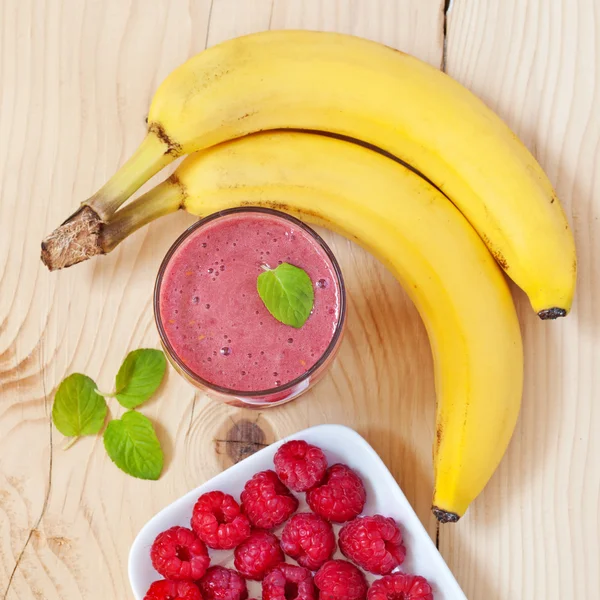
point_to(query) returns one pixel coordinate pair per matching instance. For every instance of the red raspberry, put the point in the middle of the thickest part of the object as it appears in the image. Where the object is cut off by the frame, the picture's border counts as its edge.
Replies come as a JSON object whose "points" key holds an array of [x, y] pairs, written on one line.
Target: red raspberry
{"points": [[400, 586], [266, 501], [288, 582], [220, 583], [173, 590], [309, 540], [340, 497], [340, 580], [373, 543], [299, 465], [178, 554], [218, 521], [259, 553]]}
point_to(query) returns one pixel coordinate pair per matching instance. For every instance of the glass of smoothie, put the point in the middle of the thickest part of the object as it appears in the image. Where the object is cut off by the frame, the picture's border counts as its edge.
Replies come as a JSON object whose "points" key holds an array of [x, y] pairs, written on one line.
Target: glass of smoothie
{"points": [[213, 324]]}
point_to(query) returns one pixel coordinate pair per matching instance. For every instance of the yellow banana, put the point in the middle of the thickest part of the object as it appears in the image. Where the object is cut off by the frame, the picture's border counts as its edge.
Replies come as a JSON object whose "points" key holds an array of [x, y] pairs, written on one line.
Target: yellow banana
{"points": [[410, 226], [357, 88]]}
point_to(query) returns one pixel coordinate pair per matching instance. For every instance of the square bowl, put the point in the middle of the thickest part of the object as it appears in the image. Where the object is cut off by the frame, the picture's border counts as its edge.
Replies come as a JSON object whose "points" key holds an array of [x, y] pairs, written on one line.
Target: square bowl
{"points": [[340, 444]]}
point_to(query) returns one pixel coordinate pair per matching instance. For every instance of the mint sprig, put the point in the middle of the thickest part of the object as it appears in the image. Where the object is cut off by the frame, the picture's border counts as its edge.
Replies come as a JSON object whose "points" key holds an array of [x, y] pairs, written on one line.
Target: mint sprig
{"points": [[132, 445], [139, 377], [287, 293], [131, 442], [78, 408]]}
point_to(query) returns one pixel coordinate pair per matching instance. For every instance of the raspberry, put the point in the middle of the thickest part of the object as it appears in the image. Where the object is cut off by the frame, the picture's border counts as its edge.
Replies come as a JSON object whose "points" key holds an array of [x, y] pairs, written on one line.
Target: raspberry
{"points": [[266, 501], [299, 465], [373, 543], [259, 553], [288, 582], [340, 497], [173, 590], [218, 521], [340, 580], [400, 586], [178, 554], [220, 583], [309, 540]]}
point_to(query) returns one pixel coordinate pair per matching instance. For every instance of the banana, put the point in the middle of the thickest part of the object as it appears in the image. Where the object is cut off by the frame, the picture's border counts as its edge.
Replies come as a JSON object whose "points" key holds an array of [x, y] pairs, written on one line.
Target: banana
{"points": [[357, 88], [460, 292]]}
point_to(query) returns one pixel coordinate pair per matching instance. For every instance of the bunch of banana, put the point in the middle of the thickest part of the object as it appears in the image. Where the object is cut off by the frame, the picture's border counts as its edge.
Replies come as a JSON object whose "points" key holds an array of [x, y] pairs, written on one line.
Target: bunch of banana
{"points": [[336, 84], [349, 86]]}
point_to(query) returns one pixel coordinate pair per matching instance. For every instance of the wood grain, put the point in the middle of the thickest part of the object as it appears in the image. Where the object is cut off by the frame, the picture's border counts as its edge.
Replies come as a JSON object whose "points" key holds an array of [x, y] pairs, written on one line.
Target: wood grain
{"points": [[76, 80], [535, 531]]}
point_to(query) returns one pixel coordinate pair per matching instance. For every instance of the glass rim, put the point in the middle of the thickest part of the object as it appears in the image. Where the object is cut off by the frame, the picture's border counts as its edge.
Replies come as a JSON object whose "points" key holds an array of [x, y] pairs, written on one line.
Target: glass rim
{"points": [[339, 328]]}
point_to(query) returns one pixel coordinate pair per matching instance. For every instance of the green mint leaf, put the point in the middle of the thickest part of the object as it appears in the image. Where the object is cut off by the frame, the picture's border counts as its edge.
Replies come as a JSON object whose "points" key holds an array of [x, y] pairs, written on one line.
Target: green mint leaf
{"points": [[139, 376], [78, 409], [287, 292], [132, 445]]}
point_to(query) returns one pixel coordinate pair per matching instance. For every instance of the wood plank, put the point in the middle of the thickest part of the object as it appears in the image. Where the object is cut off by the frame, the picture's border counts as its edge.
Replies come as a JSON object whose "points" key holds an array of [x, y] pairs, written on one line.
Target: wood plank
{"points": [[77, 77], [535, 531]]}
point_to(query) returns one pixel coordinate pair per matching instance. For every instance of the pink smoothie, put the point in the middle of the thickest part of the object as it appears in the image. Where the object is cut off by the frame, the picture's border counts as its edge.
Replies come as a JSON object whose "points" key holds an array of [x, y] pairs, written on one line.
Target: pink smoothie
{"points": [[214, 318]]}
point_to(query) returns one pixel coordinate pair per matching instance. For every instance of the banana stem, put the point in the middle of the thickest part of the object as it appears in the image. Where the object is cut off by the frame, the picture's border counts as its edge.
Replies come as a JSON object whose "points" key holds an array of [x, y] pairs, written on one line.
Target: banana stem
{"points": [[83, 235], [162, 200], [153, 154]]}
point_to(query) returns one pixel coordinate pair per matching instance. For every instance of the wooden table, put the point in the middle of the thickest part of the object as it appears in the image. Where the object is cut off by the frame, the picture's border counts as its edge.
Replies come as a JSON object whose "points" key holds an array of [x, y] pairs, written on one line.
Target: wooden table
{"points": [[76, 80]]}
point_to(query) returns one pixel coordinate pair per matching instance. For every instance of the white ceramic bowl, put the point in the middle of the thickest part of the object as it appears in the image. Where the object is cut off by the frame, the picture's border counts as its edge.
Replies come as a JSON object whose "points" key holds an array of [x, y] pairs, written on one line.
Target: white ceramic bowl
{"points": [[340, 444]]}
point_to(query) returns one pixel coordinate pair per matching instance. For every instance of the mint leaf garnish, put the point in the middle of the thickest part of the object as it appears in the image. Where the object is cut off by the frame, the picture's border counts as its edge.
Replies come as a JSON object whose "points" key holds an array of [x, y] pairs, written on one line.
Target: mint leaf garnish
{"points": [[78, 409], [287, 292], [139, 376], [132, 445]]}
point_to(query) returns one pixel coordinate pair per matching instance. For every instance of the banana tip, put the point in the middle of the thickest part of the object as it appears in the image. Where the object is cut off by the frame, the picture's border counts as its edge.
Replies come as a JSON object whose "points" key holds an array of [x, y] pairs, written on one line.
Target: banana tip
{"points": [[549, 314], [444, 516]]}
